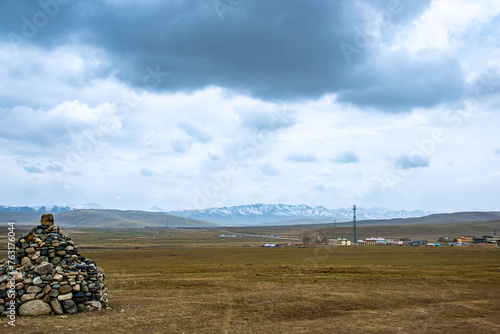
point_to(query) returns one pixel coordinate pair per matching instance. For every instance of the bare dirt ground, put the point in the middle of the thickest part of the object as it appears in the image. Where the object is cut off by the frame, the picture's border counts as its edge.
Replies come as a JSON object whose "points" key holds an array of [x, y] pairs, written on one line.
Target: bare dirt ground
{"points": [[198, 283]]}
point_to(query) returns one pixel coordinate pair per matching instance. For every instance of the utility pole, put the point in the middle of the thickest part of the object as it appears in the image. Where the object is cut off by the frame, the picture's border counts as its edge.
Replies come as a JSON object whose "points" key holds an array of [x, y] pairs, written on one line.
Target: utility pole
{"points": [[354, 223]]}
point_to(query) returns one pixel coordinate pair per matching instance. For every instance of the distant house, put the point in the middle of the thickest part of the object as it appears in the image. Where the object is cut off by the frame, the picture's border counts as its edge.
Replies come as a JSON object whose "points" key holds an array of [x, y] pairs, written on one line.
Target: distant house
{"points": [[378, 240], [392, 241], [465, 239], [341, 241], [494, 239], [270, 245]]}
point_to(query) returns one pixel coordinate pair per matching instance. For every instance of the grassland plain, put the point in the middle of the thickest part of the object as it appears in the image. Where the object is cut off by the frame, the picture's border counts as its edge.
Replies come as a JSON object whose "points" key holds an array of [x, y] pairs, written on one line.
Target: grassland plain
{"points": [[194, 282]]}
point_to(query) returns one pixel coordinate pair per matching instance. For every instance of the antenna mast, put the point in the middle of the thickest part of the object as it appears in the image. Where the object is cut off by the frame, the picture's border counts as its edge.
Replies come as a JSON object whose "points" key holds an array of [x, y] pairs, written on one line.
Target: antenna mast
{"points": [[354, 223]]}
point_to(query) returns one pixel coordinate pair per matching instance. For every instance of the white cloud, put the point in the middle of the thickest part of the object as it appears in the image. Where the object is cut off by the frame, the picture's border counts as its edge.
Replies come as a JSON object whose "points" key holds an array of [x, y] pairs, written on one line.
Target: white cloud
{"points": [[445, 22]]}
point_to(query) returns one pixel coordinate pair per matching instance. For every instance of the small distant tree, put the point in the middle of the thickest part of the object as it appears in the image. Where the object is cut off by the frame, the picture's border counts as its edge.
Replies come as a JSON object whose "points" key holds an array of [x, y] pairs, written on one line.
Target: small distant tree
{"points": [[306, 239], [324, 239], [442, 239]]}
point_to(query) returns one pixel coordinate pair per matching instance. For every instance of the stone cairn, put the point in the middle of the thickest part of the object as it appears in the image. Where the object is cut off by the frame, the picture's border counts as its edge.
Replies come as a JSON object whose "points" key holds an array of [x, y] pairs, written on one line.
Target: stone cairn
{"points": [[51, 278]]}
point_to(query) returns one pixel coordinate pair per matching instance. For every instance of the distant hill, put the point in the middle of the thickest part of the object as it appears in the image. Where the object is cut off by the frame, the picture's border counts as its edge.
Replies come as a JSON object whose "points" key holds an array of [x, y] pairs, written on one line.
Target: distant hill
{"points": [[264, 214], [107, 219], [440, 218], [429, 232]]}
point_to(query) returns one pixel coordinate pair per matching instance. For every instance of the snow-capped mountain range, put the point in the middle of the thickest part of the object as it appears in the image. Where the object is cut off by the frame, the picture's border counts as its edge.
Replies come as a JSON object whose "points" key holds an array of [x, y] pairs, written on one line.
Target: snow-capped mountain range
{"points": [[49, 208], [269, 213], [255, 214]]}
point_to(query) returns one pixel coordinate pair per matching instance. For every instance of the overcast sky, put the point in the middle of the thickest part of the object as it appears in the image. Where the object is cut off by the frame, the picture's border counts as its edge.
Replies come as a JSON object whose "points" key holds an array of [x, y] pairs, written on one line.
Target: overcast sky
{"points": [[194, 104]]}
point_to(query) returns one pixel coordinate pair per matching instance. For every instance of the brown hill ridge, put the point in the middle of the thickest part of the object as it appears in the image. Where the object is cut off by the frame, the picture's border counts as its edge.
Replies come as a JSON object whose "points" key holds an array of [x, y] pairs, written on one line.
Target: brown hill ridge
{"points": [[47, 275]]}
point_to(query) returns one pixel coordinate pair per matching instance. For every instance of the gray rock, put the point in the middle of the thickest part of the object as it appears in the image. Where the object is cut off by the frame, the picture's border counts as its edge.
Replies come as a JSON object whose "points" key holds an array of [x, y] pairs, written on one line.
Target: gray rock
{"points": [[94, 304], [37, 280], [56, 306], [35, 307], [54, 293], [33, 289], [69, 306], [43, 269]]}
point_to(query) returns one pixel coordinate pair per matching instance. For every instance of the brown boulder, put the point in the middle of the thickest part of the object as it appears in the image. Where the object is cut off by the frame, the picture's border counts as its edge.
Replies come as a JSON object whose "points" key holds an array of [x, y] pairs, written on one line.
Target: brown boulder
{"points": [[35, 307]]}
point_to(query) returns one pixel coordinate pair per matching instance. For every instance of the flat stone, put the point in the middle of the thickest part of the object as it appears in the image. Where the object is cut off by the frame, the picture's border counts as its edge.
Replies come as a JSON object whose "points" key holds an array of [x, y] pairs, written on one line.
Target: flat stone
{"points": [[70, 306], [58, 277], [65, 297], [30, 250], [37, 280], [94, 304], [65, 289], [35, 256], [54, 293], [33, 289], [43, 269], [34, 308], [27, 297], [56, 306]]}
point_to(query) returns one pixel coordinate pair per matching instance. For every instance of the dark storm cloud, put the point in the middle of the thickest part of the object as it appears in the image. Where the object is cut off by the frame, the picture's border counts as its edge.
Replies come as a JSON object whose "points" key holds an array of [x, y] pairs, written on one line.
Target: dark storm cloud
{"points": [[406, 161], [274, 50]]}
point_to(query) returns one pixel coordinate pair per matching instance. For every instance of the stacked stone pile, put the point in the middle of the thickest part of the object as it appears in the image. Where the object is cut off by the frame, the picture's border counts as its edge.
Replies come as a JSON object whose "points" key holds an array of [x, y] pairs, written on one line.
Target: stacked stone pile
{"points": [[51, 277]]}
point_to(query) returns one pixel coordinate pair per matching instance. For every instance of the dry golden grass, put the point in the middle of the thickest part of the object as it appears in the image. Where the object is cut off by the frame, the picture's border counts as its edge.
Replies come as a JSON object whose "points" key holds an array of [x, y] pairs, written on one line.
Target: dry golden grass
{"points": [[176, 287]]}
